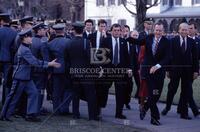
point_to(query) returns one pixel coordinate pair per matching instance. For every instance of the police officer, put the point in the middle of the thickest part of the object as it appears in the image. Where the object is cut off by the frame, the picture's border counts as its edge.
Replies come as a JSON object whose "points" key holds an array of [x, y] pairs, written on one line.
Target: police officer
{"points": [[22, 81], [26, 23], [7, 38], [40, 51], [61, 96]]}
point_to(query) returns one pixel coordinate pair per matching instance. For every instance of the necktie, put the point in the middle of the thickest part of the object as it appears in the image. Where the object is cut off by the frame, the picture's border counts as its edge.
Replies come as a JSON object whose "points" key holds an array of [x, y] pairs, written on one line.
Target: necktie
{"points": [[155, 47], [115, 60], [183, 46], [100, 39]]}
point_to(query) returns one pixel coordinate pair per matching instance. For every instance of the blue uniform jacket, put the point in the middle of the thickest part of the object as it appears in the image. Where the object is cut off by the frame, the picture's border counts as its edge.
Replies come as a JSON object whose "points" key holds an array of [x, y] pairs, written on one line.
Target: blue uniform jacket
{"points": [[7, 38], [57, 50], [25, 61], [40, 51]]}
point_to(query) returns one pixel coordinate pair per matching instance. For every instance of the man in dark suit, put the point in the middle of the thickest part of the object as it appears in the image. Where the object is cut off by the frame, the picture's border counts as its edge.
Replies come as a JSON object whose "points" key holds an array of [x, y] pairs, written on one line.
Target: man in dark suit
{"points": [[81, 81], [153, 69], [133, 54], [88, 28], [184, 66], [119, 59], [102, 87], [192, 34]]}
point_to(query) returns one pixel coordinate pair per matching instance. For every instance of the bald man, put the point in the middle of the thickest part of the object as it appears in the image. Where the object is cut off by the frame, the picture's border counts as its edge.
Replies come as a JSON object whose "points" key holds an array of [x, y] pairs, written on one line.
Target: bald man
{"points": [[183, 66]]}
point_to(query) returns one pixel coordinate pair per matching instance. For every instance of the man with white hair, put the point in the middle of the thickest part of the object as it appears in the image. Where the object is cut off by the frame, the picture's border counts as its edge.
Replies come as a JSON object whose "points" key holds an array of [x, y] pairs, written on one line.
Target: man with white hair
{"points": [[184, 66]]}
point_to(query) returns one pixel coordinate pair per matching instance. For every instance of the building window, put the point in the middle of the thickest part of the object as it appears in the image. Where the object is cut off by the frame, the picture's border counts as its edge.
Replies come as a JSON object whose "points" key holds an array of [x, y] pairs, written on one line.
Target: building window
{"points": [[100, 2], [111, 2], [195, 2], [120, 2], [122, 22], [165, 2], [109, 23], [178, 2]]}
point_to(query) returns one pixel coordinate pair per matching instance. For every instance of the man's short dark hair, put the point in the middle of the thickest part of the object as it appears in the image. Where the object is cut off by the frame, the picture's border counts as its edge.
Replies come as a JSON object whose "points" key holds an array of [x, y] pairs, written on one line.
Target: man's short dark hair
{"points": [[126, 26], [89, 21], [193, 23], [102, 21], [115, 25]]}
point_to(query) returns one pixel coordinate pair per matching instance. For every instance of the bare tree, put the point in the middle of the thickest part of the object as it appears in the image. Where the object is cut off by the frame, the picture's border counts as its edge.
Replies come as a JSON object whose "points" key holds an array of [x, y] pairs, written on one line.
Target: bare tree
{"points": [[76, 6], [141, 7]]}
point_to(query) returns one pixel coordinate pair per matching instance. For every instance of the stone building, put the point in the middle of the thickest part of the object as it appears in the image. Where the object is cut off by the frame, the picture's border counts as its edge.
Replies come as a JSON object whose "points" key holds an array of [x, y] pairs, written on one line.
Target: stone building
{"points": [[172, 12]]}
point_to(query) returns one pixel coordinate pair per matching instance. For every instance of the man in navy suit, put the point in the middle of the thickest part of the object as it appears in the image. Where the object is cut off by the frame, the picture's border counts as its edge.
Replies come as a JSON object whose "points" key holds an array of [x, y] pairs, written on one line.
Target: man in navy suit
{"points": [[88, 28], [192, 34], [184, 66], [119, 58], [81, 82], [153, 68], [96, 42]]}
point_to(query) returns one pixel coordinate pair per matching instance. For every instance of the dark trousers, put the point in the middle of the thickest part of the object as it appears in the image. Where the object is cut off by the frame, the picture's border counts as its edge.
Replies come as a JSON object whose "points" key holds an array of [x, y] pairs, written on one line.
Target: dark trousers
{"points": [[88, 89], [155, 85], [61, 95], [18, 87], [186, 82], [40, 80], [192, 103], [102, 89], [137, 80], [128, 91], [6, 69], [120, 88]]}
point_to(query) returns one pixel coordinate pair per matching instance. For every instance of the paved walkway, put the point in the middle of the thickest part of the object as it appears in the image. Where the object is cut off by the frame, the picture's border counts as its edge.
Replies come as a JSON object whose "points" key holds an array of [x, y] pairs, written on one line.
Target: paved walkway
{"points": [[171, 122]]}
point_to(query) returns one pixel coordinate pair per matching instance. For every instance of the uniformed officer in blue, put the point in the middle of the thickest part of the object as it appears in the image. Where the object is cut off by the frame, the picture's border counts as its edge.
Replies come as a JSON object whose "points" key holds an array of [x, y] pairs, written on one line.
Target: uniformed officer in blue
{"points": [[26, 23], [61, 96], [7, 38], [40, 51], [22, 81]]}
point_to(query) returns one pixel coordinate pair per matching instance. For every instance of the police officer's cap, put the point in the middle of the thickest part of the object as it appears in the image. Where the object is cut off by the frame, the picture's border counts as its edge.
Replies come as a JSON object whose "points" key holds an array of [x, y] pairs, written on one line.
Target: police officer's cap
{"points": [[148, 20], [26, 33], [60, 21], [14, 23], [27, 19], [39, 26], [4, 16], [58, 26], [78, 24]]}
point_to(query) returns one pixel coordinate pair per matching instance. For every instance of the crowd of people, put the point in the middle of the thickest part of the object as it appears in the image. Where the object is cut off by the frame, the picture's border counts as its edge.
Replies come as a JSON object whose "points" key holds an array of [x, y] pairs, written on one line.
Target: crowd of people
{"points": [[83, 63]]}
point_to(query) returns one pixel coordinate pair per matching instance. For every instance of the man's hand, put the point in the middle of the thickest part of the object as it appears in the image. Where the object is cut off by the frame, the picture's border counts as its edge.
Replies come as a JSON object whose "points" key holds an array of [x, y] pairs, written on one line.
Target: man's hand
{"points": [[167, 74], [195, 75], [104, 34], [53, 63], [130, 73], [154, 68]]}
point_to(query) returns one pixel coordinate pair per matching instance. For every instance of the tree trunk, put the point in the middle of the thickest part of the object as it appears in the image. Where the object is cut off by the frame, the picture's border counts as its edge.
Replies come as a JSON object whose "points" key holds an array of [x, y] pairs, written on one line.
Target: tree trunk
{"points": [[141, 13]]}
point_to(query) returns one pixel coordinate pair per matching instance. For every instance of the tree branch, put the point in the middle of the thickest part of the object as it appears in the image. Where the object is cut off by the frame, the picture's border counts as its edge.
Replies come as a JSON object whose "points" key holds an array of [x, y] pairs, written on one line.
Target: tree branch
{"points": [[124, 4], [130, 3], [154, 4]]}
